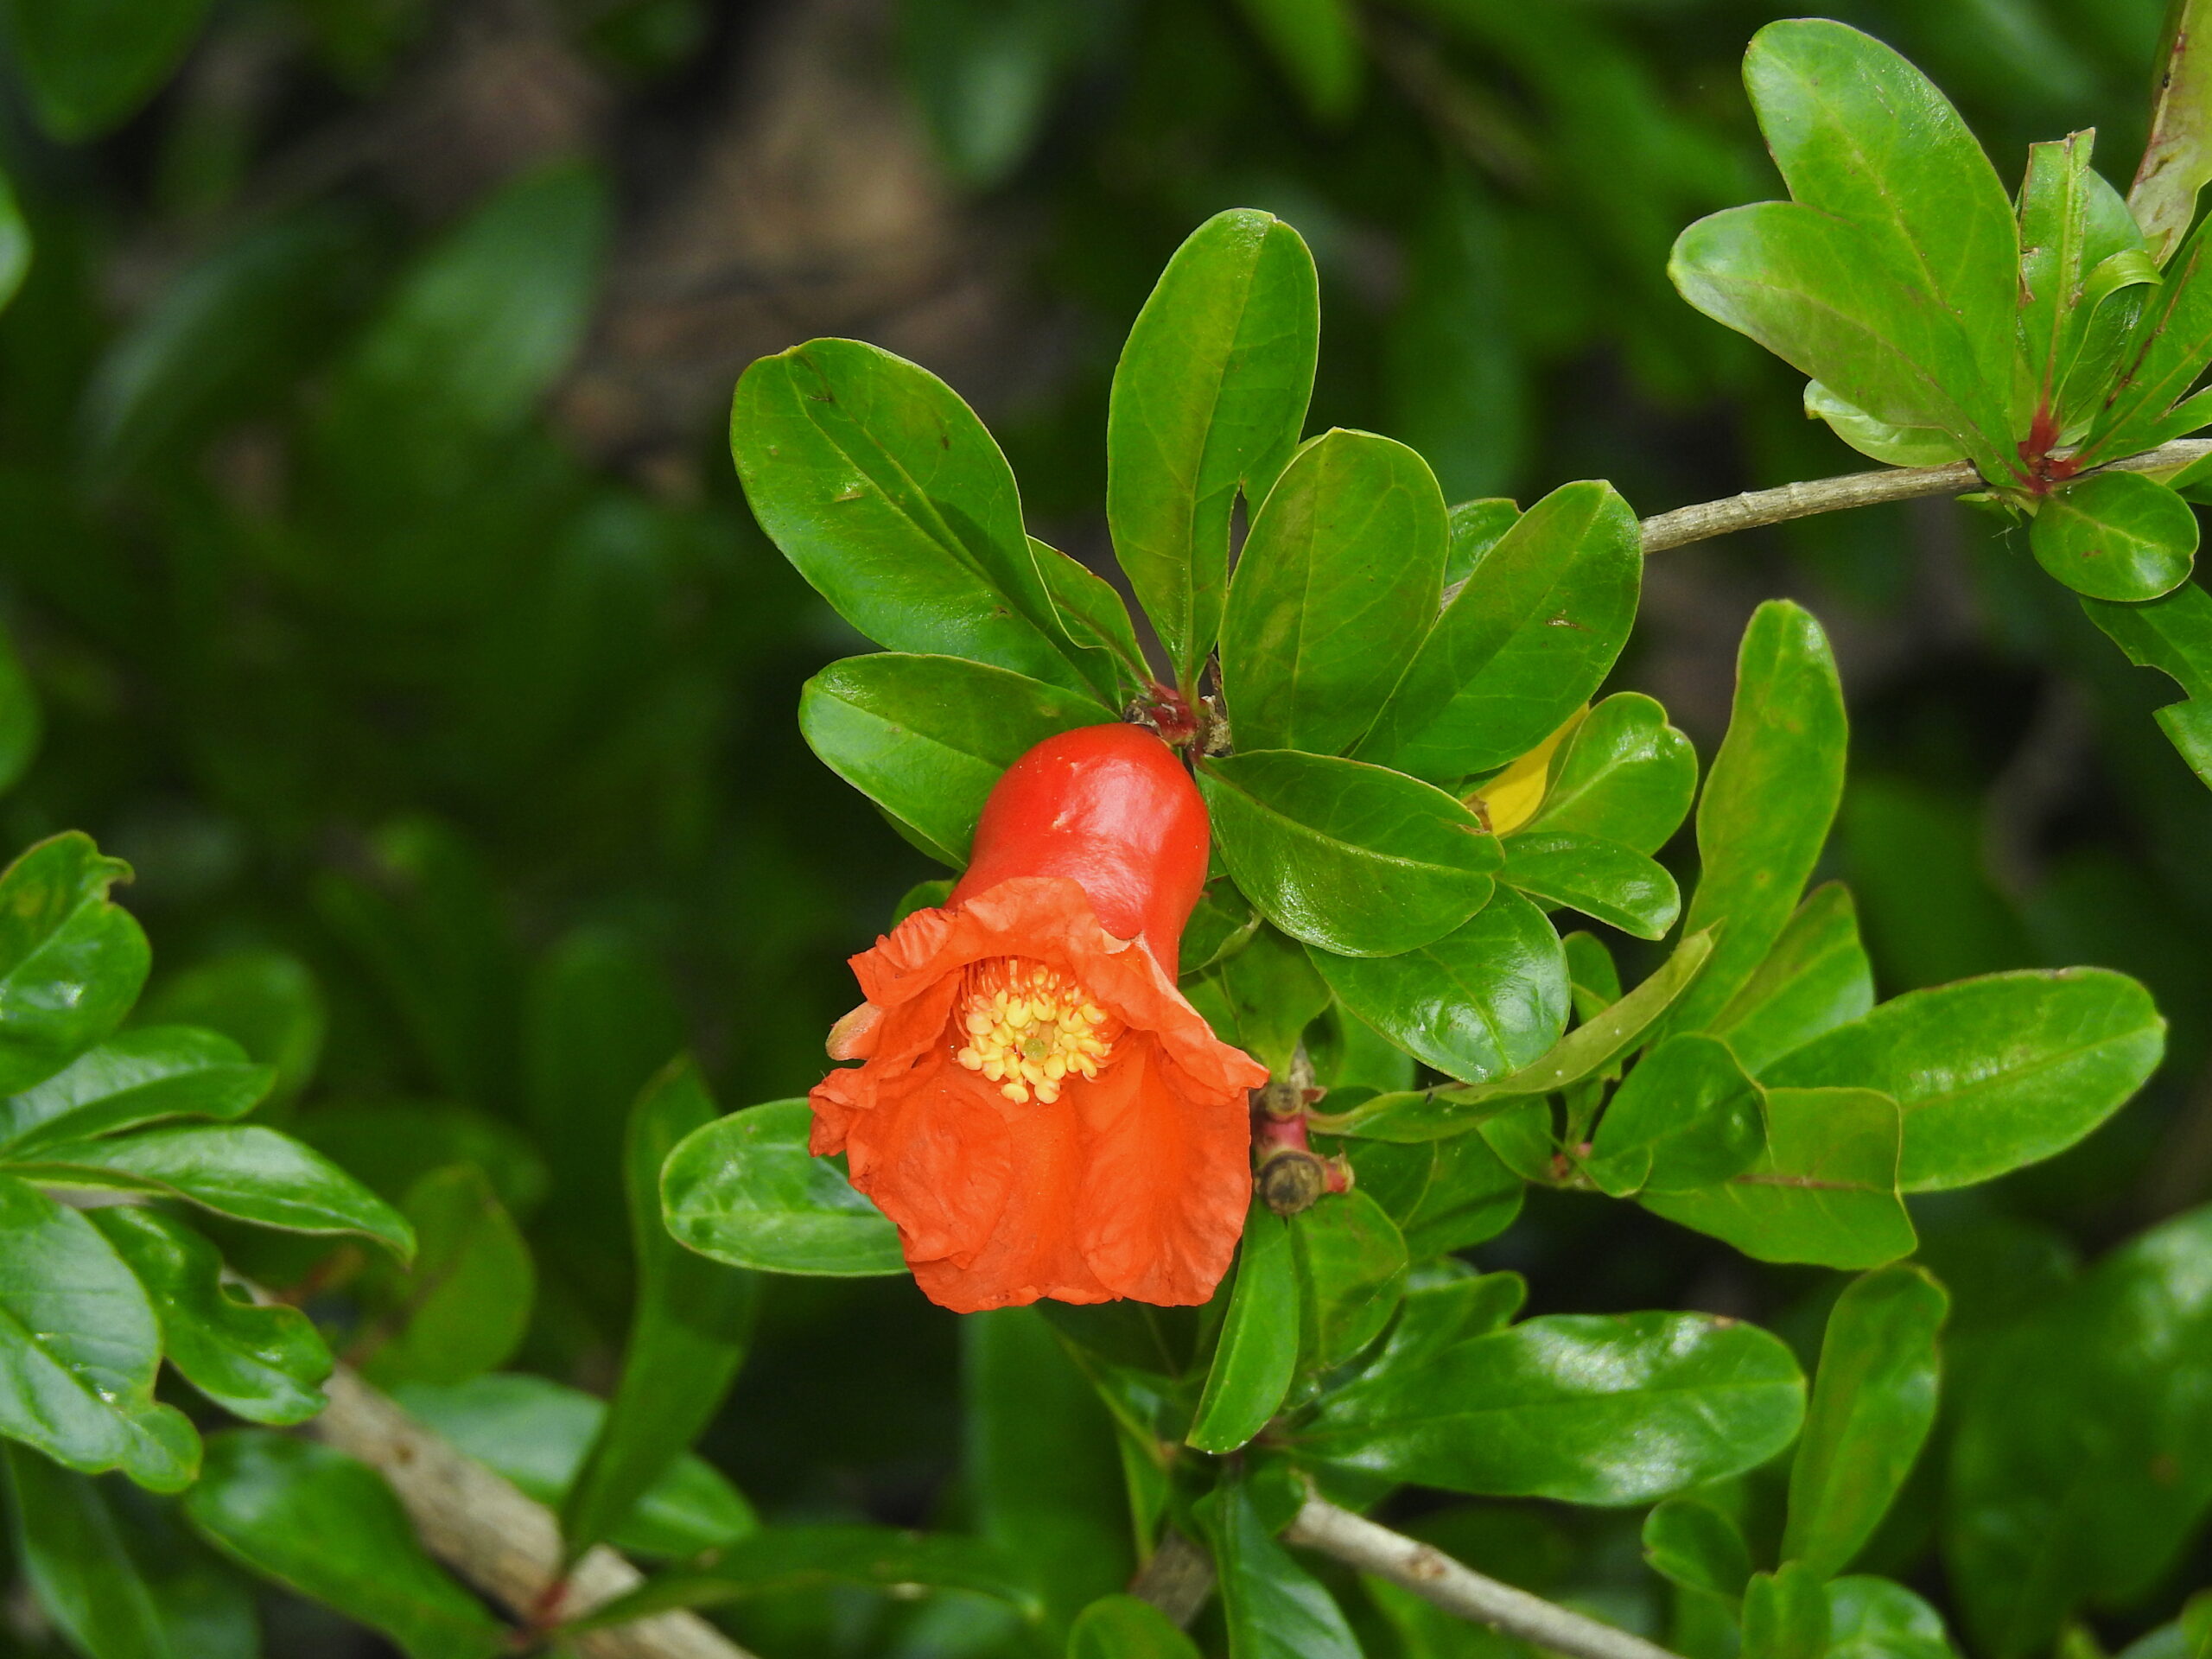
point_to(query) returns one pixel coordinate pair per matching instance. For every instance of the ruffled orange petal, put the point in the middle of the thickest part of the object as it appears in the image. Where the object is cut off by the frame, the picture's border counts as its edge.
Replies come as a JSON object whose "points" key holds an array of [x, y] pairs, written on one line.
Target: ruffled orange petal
{"points": [[1134, 1184], [1165, 1187]]}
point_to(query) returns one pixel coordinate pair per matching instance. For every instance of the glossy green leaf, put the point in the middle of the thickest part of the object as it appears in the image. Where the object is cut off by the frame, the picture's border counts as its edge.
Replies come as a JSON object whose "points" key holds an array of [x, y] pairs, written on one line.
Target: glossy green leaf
{"points": [[1354, 859], [1525, 643], [1593, 973], [1583, 1053], [240, 1170], [1861, 135], [137, 1077], [1873, 1402], [1123, 1627], [1041, 1463], [1445, 1194], [2072, 223], [884, 489], [1333, 589], [2173, 635], [1352, 1270], [689, 1329], [779, 1559], [1814, 290], [465, 1306], [1273, 1607], [1262, 998], [1583, 1409], [2151, 400], [1816, 978], [1603, 879], [1096, 620], [89, 68], [2075, 1470], [115, 1579], [329, 1528], [1892, 444], [1446, 1302], [746, 1191], [1693, 1544], [1208, 399], [265, 1363], [925, 738], [2115, 536], [1221, 924], [70, 962], [1477, 1004], [1825, 1190], [1624, 774], [1768, 802], [535, 1431], [1258, 1352], [1688, 1116], [1873, 1619], [76, 1564], [1477, 527], [2177, 159], [1995, 1072], [79, 1348], [266, 1002], [1786, 1614]]}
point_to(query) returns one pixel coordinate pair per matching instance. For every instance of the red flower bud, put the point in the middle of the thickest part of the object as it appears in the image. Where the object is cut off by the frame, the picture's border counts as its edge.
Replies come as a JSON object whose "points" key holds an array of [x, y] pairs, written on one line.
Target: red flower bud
{"points": [[1037, 1107], [1112, 809]]}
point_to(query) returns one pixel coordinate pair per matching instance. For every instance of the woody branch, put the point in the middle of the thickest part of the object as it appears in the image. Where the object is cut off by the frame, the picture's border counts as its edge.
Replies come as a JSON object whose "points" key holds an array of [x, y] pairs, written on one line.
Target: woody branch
{"points": [[1804, 500]]}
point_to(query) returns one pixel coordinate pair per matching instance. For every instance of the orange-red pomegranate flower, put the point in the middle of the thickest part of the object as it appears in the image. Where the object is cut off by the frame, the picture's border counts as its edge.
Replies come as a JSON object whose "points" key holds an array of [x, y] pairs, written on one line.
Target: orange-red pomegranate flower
{"points": [[1037, 1107]]}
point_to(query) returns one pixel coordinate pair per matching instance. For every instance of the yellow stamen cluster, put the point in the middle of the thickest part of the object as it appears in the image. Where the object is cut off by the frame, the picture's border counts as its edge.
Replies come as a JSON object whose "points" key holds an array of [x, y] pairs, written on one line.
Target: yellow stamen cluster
{"points": [[1028, 1028]]}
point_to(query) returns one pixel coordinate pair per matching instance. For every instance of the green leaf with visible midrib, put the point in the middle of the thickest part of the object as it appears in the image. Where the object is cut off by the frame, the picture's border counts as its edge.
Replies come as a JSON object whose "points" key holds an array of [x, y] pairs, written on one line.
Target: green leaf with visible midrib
{"points": [[137, 1076], [262, 1363], [245, 1171], [328, 1528], [1333, 587], [1208, 399], [1352, 858], [1433, 1114], [1490, 996], [745, 1189], [1859, 133], [1768, 800], [890, 498], [927, 738], [1583, 1409], [1522, 644], [1993, 1072], [1873, 1402]]}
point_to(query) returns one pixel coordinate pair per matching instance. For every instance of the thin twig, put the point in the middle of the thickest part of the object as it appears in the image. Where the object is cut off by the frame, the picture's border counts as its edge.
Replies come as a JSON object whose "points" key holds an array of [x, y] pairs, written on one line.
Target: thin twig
{"points": [[501, 1541], [1459, 1590], [1747, 511]]}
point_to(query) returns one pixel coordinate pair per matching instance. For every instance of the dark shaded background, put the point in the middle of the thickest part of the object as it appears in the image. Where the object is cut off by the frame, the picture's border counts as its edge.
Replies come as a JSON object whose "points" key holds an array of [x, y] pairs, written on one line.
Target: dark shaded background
{"points": [[491, 728]]}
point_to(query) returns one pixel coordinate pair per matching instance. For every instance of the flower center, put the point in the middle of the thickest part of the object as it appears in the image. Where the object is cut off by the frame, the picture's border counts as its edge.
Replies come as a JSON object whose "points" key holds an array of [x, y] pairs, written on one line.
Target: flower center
{"points": [[1027, 1027]]}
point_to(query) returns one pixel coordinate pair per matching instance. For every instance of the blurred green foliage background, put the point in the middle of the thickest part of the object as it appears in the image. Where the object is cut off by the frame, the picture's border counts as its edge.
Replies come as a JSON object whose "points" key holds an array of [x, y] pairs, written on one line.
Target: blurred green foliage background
{"points": [[367, 532]]}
